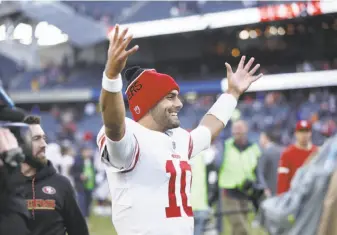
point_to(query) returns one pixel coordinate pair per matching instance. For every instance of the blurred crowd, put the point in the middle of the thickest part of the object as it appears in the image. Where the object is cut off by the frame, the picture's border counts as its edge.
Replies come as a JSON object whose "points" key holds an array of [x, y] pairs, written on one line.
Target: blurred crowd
{"points": [[84, 75]]}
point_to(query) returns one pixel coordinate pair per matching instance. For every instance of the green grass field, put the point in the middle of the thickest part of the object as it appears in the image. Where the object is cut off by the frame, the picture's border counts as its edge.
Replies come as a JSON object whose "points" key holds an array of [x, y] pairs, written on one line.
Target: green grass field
{"points": [[103, 226]]}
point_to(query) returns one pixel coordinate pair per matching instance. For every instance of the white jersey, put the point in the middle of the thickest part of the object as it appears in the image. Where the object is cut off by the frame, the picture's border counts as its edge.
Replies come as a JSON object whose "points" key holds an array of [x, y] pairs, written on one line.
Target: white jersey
{"points": [[150, 178]]}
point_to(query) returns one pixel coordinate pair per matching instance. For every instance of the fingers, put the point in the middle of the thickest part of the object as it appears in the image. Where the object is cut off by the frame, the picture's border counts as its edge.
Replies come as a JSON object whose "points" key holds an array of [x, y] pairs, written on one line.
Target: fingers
{"points": [[229, 69], [249, 64], [121, 38], [120, 43], [124, 44], [11, 139], [242, 62], [115, 37], [3, 141], [7, 140], [255, 78], [7, 136], [132, 51], [253, 71]]}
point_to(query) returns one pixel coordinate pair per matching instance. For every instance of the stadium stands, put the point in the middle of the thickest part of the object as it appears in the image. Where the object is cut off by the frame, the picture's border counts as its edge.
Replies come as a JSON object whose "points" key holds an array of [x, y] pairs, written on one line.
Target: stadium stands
{"points": [[124, 11]]}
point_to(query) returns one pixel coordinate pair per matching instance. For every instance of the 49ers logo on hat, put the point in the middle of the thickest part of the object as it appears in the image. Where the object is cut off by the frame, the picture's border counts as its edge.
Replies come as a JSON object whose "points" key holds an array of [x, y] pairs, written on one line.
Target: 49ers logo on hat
{"points": [[48, 190], [137, 109]]}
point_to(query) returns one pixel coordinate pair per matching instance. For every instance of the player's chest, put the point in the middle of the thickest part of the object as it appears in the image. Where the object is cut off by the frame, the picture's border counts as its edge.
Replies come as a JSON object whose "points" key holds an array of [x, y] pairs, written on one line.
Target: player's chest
{"points": [[166, 146], [167, 158], [164, 155]]}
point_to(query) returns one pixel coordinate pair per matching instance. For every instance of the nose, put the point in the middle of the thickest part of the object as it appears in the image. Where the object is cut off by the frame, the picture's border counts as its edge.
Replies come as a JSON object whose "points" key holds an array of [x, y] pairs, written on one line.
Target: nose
{"points": [[178, 104], [43, 143]]}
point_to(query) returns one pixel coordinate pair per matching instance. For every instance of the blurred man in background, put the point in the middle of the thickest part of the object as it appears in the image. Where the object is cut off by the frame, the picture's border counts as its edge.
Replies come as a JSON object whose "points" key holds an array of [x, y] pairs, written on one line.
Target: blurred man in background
{"points": [[269, 160], [102, 193], [49, 196], [295, 155], [204, 188], [53, 153], [83, 172], [67, 160], [238, 167]]}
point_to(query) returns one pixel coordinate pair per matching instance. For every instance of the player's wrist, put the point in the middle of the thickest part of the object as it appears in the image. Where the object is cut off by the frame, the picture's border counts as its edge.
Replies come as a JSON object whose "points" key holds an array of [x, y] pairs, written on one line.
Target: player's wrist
{"points": [[234, 93], [224, 107], [113, 85], [110, 71]]}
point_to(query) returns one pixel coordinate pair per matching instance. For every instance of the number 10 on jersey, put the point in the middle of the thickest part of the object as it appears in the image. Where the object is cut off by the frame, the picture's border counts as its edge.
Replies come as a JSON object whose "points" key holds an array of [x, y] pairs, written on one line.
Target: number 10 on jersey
{"points": [[173, 210]]}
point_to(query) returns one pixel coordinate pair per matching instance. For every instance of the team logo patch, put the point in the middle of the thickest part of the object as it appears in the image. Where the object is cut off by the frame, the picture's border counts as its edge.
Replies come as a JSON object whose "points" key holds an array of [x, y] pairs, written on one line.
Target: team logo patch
{"points": [[48, 190], [137, 109]]}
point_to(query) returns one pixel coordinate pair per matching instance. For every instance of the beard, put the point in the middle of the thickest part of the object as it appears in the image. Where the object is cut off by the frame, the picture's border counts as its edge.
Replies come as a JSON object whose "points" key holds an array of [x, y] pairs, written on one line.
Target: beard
{"points": [[172, 122], [42, 160], [41, 157], [165, 119]]}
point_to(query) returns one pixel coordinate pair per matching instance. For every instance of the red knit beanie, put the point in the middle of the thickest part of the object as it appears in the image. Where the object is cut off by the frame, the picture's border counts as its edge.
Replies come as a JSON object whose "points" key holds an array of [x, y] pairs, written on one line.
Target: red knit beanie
{"points": [[146, 88]]}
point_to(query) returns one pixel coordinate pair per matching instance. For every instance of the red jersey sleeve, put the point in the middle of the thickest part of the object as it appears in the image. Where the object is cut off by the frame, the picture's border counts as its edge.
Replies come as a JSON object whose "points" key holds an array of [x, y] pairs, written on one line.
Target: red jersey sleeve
{"points": [[283, 174]]}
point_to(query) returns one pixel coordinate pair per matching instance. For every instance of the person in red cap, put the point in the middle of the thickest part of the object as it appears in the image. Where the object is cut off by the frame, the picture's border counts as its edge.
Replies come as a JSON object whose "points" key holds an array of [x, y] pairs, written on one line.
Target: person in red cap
{"points": [[295, 155], [147, 158]]}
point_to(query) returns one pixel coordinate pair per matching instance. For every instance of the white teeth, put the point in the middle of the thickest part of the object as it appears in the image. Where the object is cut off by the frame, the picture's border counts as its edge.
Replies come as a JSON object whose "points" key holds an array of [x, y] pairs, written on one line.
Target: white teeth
{"points": [[174, 114]]}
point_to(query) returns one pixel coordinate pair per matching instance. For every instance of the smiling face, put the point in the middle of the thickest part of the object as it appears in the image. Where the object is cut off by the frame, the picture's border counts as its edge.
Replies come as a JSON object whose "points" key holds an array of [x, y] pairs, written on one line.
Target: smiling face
{"points": [[165, 113]]}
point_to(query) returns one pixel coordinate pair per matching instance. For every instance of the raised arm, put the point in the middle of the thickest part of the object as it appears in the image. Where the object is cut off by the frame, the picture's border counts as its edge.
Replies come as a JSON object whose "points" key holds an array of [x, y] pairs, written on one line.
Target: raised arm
{"points": [[221, 111], [116, 141], [111, 99]]}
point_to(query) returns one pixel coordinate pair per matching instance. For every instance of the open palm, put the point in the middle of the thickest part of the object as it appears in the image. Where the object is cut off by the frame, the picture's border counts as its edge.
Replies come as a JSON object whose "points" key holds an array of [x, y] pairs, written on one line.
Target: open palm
{"points": [[117, 52], [243, 77]]}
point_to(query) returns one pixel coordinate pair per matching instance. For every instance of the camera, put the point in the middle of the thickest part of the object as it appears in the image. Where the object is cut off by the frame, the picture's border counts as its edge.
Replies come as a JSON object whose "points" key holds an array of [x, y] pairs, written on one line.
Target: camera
{"points": [[254, 192], [14, 157], [11, 119]]}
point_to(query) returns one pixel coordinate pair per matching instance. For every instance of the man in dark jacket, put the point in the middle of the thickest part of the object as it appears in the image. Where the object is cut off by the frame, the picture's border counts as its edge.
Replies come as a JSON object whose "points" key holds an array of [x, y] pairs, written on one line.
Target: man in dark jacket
{"points": [[269, 160], [83, 172], [49, 196]]}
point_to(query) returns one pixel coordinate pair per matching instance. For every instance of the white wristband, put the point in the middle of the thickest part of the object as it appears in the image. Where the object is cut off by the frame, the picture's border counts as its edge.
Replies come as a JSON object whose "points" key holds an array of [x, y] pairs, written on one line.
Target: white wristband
{"points": [[112, 85], [223, 108]]}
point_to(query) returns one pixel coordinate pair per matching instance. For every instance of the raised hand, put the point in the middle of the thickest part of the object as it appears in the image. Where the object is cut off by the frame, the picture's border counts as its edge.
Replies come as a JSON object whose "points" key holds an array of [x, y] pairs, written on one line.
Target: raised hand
{"points": [[240, 81], [117, 53]]}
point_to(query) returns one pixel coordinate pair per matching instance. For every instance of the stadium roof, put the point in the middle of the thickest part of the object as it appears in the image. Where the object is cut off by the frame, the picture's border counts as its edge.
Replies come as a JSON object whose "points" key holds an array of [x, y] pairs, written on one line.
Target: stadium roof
{"points": [[81, 31]]}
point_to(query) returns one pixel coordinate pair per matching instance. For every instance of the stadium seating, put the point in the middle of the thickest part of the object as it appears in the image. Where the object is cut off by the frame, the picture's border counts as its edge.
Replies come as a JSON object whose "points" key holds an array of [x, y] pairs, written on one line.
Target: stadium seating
{"points": [[8, 69], [119, 9]]}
